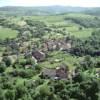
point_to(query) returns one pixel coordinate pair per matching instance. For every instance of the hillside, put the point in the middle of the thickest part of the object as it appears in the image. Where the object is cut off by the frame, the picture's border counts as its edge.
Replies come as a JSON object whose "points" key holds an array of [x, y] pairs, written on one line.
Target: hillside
{"points": [[44, 10], [49, 57]]}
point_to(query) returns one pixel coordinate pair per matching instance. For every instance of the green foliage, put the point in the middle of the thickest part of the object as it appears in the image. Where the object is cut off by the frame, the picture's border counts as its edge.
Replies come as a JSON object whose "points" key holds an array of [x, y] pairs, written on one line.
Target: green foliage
{"points": [[7, 61], [89, 46], [85, 22], [2, 67], [21, 90], [87, 63], [10, 95], [23, 73], [37, 28], [1, 94]]}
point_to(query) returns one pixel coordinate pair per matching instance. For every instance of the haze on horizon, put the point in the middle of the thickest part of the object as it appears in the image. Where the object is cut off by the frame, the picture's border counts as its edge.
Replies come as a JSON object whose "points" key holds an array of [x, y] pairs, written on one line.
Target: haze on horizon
{"points": [[79, 3]]}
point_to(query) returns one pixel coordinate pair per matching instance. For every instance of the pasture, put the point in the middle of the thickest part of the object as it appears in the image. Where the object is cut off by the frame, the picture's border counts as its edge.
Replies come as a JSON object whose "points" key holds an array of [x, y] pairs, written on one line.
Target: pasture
{"points": [[7, 33]]}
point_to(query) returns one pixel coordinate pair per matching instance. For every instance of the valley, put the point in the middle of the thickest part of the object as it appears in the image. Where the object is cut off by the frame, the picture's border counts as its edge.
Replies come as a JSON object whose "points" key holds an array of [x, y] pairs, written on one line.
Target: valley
{"points": [[50, 57]]}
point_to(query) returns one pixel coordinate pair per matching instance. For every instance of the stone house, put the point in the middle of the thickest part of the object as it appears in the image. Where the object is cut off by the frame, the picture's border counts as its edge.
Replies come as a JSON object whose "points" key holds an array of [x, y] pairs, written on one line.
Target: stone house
{"points": [[60, 72], [56, 44], [38, 55]]}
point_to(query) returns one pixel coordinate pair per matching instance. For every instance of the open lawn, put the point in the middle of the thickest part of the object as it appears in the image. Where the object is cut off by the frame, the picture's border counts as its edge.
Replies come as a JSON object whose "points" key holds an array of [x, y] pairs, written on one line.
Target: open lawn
{"points": [[86, 32], [7, 33]]}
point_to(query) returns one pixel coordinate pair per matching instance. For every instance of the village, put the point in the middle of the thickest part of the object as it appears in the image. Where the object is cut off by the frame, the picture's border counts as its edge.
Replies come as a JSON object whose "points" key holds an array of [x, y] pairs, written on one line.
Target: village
{"points": [[50, 57]]}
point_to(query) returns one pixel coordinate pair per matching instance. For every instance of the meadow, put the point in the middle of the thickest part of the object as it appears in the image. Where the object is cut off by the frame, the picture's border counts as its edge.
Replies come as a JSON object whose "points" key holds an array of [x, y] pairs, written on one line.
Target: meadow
{"points": [[70, 26], [7, 33]]}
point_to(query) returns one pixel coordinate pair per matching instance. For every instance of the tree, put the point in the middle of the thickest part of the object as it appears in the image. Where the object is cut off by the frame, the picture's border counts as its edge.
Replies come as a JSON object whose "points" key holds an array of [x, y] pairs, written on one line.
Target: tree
{"points": [[80, 28], [2, 67], [87, 63], [21, 91], [10, 95], [2, 94], [7, 61]]}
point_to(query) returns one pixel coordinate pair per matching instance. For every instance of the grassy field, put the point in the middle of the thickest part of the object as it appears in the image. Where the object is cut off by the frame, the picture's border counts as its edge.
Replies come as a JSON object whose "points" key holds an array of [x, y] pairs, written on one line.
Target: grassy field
{"points": [[71, 27], [7, 33], [80, 33]]}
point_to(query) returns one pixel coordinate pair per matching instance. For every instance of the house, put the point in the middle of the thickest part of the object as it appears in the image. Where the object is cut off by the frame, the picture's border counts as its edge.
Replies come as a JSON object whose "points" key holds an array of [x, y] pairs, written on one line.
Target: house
{"points": [[56, 44], [38, 55], [60, 72], [65, 46], [51, 45], [49, 73]]}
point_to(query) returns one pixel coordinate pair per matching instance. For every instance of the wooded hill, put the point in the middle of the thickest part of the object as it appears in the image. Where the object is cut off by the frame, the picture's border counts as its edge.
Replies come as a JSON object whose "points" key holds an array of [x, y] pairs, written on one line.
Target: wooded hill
{"points": [[46, 10]]}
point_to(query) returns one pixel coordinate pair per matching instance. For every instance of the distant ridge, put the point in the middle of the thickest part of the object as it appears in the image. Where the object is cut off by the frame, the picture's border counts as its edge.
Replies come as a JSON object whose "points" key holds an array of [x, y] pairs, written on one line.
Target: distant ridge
{"points": [[46, 10]]}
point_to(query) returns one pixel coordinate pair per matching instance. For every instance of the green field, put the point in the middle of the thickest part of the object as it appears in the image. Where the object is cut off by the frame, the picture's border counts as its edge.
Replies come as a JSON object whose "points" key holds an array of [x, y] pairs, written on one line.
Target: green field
{"points": [[7, 33], [70, 26], [80, 33]]}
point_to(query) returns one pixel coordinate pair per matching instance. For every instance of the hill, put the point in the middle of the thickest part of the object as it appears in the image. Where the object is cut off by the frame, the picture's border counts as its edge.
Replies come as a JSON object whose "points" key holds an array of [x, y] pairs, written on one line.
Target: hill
{"points": [[43, 10]]}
